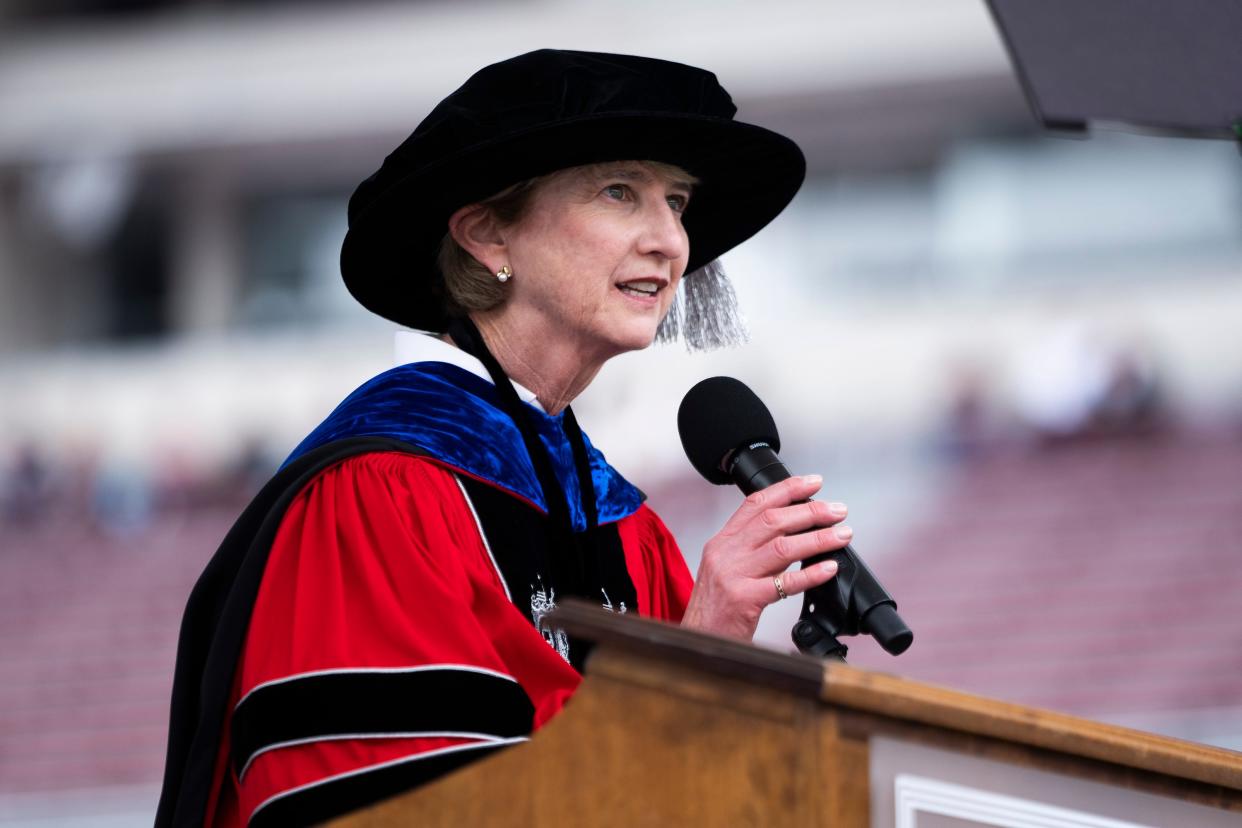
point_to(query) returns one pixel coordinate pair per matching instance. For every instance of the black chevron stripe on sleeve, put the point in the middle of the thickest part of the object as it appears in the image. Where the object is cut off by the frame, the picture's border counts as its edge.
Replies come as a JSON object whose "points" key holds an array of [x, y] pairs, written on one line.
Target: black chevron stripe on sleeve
{"points": [[337, 704]]}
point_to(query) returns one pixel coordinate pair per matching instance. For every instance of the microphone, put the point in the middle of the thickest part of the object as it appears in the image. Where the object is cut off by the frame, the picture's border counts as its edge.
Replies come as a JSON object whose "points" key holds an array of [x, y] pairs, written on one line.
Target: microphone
{"points": [[730, 437]]}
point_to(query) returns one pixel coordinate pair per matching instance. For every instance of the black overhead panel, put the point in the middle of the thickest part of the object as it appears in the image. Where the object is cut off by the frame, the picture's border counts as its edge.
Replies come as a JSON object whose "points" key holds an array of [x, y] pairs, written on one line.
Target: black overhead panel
{"points": [[1165, 65]]}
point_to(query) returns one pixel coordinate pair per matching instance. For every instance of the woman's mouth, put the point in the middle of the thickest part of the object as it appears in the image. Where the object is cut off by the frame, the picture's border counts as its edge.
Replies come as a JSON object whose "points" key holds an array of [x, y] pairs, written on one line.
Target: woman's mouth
{"points": [[641, 288]]}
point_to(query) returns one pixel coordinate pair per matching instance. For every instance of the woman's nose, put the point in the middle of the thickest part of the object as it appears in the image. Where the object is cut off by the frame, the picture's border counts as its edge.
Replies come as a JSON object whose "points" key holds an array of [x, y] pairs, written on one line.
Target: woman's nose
{"points": [[664, 234]]}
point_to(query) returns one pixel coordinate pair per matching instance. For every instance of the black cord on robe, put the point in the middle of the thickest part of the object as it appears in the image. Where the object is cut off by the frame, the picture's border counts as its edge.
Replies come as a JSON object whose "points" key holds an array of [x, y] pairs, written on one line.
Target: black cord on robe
{"points": [[574, 564]]}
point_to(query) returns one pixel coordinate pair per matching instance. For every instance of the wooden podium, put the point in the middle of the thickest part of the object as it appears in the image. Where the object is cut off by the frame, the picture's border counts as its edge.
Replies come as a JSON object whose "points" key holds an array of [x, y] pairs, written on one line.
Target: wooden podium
{"points": [[671, 727]]}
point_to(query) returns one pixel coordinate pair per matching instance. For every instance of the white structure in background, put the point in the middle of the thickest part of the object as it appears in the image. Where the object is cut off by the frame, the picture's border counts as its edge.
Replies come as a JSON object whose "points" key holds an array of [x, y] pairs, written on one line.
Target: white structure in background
{"points": [[179, 178]]}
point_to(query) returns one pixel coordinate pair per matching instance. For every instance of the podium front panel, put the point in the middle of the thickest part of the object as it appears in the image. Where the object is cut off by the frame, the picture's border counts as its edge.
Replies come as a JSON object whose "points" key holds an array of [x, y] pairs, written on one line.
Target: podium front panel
{"points": [[917, 786]]}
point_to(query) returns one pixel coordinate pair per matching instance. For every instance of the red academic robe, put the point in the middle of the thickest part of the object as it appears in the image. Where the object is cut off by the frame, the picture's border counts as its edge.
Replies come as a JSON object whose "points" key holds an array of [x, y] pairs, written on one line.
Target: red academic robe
{"points": [[381, 582]]}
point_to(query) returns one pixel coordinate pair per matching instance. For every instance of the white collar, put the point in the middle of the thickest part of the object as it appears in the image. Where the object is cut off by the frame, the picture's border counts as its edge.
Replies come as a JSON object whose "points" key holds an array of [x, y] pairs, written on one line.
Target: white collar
{"points": [[413, 346]]}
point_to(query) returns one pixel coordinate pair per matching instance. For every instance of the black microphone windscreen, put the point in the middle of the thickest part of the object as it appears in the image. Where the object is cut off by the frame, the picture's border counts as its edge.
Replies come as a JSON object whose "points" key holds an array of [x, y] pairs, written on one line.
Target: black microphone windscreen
{"points": [[717, 416]]}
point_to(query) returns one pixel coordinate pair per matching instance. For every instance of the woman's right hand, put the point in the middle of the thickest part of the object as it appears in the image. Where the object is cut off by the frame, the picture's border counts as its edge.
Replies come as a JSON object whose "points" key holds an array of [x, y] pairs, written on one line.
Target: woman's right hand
{"points": [[768, 533]]}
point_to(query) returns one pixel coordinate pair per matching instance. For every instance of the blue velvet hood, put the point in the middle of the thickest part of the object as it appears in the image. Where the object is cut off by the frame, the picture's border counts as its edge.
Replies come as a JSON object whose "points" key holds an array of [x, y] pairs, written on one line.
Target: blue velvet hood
{"points": [[454, 416]]}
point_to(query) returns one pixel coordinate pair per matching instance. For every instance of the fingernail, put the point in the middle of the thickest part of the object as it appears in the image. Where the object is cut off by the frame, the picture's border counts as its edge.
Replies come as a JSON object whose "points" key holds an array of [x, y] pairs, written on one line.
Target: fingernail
{"points": [[837, 508], [844, 532], [828, 566], [812, 479]]}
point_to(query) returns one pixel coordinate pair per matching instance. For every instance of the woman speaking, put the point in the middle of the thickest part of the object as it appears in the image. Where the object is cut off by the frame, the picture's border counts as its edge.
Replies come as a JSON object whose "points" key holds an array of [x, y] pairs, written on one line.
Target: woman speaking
{"points": [[375, 617]]}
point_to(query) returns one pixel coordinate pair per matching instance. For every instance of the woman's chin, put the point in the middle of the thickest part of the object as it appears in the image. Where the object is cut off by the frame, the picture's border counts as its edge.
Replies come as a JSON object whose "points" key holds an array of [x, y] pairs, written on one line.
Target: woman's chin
{"points": [[618, 343], [639, 338]]}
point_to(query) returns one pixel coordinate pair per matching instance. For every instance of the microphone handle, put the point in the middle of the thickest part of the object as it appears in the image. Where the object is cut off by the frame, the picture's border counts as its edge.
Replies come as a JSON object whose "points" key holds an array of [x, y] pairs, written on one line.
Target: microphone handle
{"points": [[756, 467], [852, 601]]}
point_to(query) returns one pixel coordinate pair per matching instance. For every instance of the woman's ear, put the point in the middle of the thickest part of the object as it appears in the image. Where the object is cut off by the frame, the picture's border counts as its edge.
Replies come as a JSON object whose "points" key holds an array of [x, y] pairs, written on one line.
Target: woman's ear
{"points": [[475, 229]]}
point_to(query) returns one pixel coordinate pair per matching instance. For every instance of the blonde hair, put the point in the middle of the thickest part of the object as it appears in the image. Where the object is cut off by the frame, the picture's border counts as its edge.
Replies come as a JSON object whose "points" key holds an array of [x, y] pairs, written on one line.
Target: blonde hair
{"points": [[469, 286]]}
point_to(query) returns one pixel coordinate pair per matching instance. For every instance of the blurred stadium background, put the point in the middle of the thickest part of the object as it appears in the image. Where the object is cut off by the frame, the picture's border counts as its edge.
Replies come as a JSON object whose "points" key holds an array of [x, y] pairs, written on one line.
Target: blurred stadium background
{"points": [[1017, 357]]}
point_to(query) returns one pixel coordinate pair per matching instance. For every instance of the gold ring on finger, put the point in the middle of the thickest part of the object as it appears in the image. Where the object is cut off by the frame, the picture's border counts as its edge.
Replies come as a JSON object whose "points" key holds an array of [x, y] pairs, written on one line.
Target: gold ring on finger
{"points": [[780, 590]]}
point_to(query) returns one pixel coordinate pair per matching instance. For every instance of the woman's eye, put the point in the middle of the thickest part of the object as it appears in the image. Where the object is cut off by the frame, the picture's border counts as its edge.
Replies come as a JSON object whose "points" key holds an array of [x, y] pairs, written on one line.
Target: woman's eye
{"points": [[617, 191], [678, 203]]}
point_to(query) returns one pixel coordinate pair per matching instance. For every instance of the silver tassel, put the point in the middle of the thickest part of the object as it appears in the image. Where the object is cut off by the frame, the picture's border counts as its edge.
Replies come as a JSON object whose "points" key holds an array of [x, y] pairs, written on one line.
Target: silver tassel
{"points": [[704, 312]]}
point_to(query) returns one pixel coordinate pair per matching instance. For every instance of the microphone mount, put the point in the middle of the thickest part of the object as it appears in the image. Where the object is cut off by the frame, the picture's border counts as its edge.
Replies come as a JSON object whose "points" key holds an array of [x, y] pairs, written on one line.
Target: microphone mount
{"points": [[850, 603]]}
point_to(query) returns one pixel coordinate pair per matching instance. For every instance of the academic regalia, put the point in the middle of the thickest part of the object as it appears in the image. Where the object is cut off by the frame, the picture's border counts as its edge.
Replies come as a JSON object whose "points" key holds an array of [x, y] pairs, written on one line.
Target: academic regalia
{"points": [[373, 620]]}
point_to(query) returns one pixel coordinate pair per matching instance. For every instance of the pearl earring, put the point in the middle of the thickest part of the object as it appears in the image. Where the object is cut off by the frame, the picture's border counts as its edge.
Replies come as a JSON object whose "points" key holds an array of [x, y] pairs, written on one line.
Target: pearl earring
{"points": [[503, 274]]}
